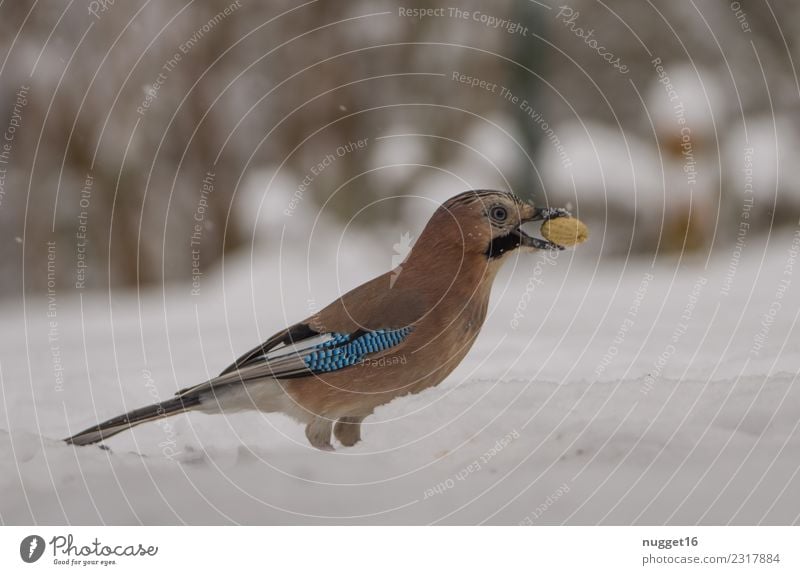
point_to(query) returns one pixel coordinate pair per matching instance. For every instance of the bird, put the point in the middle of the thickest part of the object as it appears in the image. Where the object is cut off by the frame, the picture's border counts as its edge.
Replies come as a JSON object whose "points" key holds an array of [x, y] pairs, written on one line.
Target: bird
{"points": [[397, 334]]}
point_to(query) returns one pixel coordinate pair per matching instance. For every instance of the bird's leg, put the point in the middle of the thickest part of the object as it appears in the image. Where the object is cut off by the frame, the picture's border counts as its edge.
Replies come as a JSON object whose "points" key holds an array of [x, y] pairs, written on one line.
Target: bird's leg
{"points": [[348, 430], [318, 433]]}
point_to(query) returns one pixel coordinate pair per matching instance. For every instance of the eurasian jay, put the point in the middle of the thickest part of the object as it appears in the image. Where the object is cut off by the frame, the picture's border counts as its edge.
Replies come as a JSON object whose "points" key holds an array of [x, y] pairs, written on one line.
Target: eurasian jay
{"points": [[399, 333]]}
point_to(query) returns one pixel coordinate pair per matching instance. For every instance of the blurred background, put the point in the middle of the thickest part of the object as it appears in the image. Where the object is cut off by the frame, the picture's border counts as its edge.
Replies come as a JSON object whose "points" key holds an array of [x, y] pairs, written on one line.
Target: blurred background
{"points": [[180, 180], [143, 140]]}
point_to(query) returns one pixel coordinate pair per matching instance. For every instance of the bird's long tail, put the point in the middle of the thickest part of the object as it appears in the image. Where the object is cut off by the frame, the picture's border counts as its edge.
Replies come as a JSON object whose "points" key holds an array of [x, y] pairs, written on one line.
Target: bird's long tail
{"points": [[124, 422]]}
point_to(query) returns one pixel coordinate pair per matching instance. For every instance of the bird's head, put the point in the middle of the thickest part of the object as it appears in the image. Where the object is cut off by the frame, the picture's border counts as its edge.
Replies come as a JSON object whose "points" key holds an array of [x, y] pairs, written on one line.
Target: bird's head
{"points": [[487, 223]]}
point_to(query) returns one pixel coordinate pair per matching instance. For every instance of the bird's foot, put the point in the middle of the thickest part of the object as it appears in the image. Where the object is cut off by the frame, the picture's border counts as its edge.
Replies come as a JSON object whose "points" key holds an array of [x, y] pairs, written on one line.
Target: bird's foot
{"points": [[318, 433], [348, 430]]}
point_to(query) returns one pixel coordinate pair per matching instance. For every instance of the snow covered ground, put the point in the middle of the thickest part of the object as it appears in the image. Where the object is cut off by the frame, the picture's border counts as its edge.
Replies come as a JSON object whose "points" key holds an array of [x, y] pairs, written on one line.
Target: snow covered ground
{"points": [[613, 392]]}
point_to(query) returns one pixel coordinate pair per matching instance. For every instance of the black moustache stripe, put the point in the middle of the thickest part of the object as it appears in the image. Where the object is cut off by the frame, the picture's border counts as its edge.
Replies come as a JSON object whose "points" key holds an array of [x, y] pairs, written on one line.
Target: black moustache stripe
{"points": [[502, 245]]}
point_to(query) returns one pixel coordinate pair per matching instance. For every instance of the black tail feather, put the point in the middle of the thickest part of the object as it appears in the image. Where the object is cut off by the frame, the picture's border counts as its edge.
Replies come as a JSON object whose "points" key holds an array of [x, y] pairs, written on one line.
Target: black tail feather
{"points": [[124, 422]]}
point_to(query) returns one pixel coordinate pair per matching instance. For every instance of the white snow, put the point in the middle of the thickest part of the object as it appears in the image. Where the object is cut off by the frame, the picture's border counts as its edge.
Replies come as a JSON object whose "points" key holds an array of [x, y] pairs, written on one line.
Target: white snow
{"points": [[535, 426]]}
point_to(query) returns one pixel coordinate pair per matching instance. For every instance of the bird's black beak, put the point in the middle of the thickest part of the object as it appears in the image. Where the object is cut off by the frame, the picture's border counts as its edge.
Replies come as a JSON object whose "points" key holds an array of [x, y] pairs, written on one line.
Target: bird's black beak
{"points": [[544, 214], [536, 215]]}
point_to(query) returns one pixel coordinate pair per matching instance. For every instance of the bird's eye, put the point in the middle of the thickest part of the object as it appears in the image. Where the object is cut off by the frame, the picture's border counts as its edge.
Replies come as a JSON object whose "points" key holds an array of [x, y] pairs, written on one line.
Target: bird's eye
{"points": [[499, 214]]}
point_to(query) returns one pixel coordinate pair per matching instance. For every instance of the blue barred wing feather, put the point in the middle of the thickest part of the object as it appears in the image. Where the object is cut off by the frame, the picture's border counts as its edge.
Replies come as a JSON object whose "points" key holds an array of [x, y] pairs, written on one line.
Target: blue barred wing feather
{"points": [[344, 350]]}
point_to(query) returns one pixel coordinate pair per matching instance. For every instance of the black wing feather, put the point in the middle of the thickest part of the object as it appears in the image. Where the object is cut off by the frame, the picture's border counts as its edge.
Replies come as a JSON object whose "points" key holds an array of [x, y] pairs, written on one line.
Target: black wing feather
{"points": [[291, 335]]}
